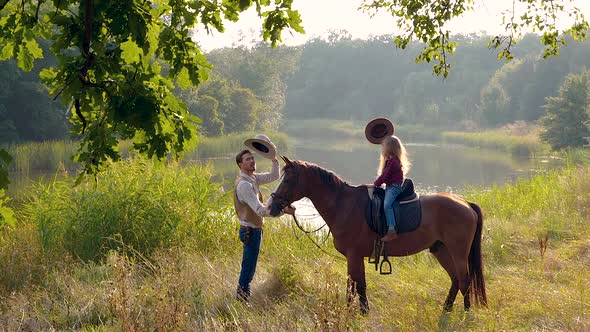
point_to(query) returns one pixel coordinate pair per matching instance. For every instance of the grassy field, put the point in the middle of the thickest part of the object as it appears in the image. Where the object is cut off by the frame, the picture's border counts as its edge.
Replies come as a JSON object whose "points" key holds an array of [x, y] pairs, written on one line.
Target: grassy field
{"points": [[154, 247]]}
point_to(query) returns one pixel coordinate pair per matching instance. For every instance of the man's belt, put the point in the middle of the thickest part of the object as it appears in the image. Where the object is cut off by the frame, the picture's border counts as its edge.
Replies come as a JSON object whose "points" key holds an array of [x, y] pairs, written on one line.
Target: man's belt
{"points": [[247, 235]]}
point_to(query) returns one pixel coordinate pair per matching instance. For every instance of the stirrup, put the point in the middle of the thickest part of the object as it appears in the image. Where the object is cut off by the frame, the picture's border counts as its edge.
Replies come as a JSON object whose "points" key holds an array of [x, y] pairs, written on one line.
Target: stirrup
{"points": [[376, 255], [385, 260]]}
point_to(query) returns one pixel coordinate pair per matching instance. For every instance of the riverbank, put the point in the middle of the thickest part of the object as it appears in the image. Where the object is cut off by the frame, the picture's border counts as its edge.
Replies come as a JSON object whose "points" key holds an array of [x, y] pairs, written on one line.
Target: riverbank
{"points": [[52, 156], [329, 128], [516, 145], [155, 247], [518, 139]]}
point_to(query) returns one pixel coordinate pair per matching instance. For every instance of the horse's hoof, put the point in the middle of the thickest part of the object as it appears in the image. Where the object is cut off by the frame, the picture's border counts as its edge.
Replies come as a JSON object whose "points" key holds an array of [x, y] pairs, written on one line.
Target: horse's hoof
{"points": [[364, 310], [468, 316], [448, 306]]}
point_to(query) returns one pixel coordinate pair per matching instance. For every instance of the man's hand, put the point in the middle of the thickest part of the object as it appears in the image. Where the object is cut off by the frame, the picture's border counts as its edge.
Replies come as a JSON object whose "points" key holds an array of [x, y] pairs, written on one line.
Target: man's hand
{"points": [[289, 210]]}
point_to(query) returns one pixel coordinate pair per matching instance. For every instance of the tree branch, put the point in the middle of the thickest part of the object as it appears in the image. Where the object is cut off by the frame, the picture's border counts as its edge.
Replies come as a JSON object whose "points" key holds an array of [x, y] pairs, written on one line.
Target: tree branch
{"points": [[79, 114], [511, 37], [37, 10], [444, 53], [88, 11], [3, 4], [88, 20], [56, 9]]}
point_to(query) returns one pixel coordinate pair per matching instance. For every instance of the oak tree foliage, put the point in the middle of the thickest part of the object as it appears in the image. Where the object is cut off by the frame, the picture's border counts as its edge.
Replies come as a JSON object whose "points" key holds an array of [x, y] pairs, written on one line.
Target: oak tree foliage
{"points": [[426, 21], [111, 56]]}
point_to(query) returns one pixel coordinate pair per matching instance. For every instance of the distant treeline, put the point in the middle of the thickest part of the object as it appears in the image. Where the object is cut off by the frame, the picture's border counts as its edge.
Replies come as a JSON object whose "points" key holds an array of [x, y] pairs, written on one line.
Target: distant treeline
{"points": [[245, 92], [357, 79], [336, 77]]}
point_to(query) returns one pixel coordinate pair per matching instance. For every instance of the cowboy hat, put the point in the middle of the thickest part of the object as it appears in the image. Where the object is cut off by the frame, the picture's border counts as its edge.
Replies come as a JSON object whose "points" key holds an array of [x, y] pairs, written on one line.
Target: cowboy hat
{"points": [[377, 129], [262, 145]]}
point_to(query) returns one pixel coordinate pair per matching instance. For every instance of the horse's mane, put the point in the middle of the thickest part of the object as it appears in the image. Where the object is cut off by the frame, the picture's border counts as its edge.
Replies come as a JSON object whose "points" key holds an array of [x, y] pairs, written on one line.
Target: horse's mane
{"points": [[326, 176]]}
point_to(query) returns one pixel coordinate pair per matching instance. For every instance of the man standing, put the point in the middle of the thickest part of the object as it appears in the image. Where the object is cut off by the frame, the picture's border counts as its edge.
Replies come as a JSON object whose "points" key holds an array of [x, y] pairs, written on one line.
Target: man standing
{"points": [[250, 208]]}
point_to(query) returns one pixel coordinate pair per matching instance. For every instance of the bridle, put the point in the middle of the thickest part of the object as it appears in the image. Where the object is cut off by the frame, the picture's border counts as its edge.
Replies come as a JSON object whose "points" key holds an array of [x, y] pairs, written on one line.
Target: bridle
{"points": [[283, 202]]}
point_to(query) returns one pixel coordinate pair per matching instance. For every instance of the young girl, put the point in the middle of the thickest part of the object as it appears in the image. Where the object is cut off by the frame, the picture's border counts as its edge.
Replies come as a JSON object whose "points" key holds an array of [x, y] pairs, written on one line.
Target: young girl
{"points": [[393, 166]]}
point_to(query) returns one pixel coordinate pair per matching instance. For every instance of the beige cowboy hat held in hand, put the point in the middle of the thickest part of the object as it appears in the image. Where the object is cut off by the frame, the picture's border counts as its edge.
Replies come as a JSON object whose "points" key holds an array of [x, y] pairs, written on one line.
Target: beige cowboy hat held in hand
{"points": [[262, 145], [377, 129]]}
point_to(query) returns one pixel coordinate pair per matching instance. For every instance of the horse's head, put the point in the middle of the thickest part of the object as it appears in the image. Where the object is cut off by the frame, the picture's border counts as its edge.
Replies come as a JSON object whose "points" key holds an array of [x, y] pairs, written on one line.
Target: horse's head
{"points": [[289, 189]]}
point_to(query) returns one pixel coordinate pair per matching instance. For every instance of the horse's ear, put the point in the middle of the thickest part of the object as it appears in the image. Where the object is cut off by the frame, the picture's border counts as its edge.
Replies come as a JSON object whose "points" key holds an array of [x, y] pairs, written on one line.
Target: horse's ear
{"points": [[286, 160]]}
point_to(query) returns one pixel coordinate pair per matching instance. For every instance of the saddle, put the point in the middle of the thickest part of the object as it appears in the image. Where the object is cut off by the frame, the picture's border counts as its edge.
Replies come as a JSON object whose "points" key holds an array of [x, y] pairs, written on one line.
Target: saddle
{"points": [[408, 216]]}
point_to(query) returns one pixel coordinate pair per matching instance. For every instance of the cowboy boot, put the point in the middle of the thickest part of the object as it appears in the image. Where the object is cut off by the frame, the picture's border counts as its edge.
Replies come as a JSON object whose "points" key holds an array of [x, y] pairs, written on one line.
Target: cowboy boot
{"points": [[243, 295], [391, 235]]}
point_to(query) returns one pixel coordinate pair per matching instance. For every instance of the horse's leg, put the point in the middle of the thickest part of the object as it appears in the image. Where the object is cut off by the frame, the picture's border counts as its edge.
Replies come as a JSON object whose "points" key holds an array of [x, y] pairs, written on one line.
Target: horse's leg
{"points": [[462, 274], [445, 259], [350, 292], [466, 295], [356, 272]]}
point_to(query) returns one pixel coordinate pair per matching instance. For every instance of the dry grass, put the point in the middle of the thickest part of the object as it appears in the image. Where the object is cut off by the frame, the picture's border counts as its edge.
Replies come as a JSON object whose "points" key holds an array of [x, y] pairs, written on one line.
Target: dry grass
{"points": [[537, 268]]}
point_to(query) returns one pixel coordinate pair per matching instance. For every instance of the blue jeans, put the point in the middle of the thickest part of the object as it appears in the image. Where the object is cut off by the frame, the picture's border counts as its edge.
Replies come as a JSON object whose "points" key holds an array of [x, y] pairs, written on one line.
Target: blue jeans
{"points": [[249, 257], [391, 193]]}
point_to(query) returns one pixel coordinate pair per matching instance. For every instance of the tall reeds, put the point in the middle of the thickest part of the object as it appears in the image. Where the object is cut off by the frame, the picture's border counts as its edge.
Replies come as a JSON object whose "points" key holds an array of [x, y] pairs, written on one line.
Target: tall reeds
{"points": [[227, 146], [516, 145], [134, 204], [42, 156], [51, 156]]}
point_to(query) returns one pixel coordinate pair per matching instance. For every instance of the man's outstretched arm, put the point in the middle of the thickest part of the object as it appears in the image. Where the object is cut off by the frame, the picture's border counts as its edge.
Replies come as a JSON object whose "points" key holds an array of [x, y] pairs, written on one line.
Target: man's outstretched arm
{"points": [[271, 176]]}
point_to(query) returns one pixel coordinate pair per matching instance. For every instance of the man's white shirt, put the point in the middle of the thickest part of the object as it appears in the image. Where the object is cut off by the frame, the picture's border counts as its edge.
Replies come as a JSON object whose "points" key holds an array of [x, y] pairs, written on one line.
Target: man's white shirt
{"points": [[248, 188]]}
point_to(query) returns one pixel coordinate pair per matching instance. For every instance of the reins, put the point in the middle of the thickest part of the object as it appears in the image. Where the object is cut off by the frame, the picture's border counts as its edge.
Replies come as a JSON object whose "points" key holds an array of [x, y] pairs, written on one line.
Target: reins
{"points": [[307, 233]]}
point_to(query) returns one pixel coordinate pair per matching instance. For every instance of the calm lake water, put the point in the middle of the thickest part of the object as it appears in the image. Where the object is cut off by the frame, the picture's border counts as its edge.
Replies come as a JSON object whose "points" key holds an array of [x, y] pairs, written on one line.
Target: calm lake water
{"points": [[436, 167]]}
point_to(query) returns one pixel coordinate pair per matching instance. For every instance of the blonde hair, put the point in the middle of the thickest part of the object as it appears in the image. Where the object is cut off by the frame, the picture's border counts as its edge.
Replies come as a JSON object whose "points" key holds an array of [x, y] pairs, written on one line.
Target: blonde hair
{"points": [[393, 146]]}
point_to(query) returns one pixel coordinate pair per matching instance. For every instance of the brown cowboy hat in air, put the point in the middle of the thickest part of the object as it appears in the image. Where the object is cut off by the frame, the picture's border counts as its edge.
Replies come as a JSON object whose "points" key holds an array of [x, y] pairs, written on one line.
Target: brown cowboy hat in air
{"points": [[262, 145], [377, 129]]}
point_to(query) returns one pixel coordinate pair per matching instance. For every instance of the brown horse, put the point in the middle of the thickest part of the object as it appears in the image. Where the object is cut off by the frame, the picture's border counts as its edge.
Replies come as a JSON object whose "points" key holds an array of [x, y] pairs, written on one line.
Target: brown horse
{"points": [[450, 228]]}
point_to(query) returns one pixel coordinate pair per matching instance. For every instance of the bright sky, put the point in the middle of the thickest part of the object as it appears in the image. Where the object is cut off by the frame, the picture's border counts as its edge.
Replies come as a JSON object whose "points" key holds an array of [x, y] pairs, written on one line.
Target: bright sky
{"points": [[320, 16]]}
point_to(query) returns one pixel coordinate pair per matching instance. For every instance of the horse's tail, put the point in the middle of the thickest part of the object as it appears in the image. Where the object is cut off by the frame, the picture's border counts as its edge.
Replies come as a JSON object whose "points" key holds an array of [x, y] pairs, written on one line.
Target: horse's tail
{"points": [[478, 287]]}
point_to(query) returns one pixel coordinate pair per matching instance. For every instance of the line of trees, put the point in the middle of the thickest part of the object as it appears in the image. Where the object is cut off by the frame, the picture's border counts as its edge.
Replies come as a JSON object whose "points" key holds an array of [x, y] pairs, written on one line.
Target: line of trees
{"points": [[246, 91], [337, 77], [27, 112], [567, 121], [357, 79]]}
